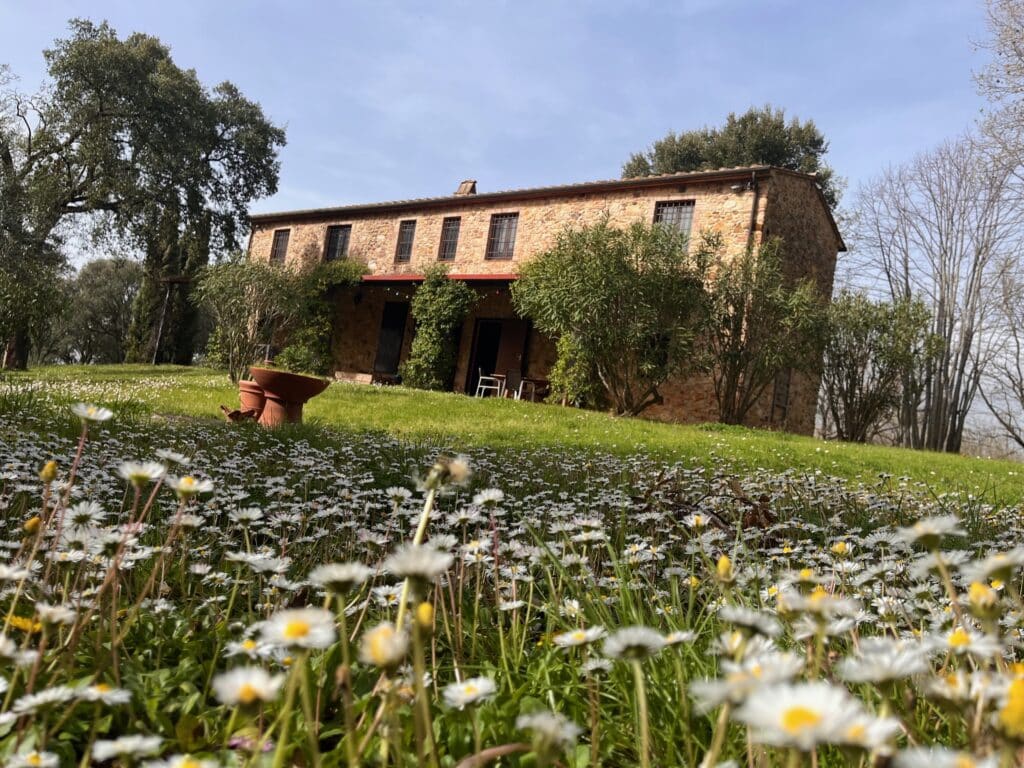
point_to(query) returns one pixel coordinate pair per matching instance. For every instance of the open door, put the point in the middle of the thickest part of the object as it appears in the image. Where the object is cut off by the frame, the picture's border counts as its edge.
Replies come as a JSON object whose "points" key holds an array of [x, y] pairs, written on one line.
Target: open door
{"points": [[392, 334], [499, 346]]}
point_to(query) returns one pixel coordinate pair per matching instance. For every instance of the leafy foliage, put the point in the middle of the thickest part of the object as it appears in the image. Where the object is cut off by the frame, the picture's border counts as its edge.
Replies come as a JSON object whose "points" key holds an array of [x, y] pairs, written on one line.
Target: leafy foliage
{"points": [[760, 136], [255, 304], [439, 307], [138, 147], [760, 324], [870, 348], [631, 300]]}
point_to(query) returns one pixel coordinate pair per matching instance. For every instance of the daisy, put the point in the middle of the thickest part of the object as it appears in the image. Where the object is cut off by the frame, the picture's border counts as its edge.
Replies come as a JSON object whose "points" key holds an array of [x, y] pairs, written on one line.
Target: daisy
{"points": [[928, 531], [89, 412], [578, 637], [940, 757], [965, 641], [422, 563], [471, 691], [182, 761], [84, 514], [34, 759], [801, 715], [633, 643], [246, 686], [300, 628], [383, 646], [551, 731], [173, 456], [883, 660], [126, 746], [141, 473], [105, 694], [741, 678], [186, 487]]}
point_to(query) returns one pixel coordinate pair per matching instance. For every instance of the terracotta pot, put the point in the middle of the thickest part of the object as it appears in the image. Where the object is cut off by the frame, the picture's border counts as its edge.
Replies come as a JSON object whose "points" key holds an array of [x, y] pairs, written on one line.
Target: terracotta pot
{"points": [[251, 397], [285, 394]]}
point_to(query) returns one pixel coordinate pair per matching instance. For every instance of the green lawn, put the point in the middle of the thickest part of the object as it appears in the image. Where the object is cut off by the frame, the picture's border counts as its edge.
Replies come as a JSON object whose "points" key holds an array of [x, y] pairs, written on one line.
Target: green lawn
{"points": [[460, 421]]}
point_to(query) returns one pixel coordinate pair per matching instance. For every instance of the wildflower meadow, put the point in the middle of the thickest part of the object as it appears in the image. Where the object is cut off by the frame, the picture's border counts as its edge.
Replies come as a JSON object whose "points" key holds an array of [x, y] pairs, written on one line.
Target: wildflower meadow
{"points": [[183, 593]]}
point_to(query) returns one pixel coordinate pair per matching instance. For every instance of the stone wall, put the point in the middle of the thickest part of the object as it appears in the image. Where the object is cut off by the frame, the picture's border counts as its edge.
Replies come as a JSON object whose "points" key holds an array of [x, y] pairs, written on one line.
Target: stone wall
{"points": [[375, 235], [787, 206]]}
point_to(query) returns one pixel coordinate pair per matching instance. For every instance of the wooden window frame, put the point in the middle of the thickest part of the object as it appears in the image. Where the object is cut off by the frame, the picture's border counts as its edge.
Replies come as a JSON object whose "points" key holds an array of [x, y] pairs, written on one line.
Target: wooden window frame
{"points": [[404, 256], [449, 222], [279, 255], [346, 229], [508, 248]]}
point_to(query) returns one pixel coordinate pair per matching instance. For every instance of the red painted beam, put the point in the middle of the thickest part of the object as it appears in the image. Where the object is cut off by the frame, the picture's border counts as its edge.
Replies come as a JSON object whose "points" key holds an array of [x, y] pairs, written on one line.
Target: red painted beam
{"points": [[414, 278]]}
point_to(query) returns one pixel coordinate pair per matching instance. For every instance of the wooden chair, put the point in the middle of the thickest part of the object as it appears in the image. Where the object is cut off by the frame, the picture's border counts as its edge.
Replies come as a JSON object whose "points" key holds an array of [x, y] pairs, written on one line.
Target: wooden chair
{"points": [[485, 384]]}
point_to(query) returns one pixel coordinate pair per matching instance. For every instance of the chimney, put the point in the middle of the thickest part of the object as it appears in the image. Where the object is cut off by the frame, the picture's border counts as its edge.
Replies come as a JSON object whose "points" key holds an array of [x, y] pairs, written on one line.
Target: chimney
{"points": [[467, 187]]}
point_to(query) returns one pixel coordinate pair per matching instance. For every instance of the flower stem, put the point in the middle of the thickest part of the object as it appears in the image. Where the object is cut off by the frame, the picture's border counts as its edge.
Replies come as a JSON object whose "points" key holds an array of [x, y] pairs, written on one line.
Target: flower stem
{"points": [[641, 708]]}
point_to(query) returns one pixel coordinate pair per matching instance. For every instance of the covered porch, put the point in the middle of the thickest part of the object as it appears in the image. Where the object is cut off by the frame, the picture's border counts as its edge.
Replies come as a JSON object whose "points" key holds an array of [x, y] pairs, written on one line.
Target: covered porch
{"points": [[374, 328]]}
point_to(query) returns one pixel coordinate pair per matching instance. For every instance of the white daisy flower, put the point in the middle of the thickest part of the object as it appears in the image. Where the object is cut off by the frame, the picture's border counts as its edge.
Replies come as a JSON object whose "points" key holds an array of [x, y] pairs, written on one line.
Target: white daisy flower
{"points": [[928, 531], [633, 643], [141, 473], [246, 686], [551, 731], [803, 715], [186, 487], [383, 646], [578, 637], [300, 628], [940, 757], [126, 746], [471, 691], [89, 412], [34, 759]]}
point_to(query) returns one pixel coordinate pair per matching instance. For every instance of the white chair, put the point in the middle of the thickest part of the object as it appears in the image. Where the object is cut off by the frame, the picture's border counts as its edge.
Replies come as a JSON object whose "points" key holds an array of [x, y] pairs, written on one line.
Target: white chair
{"points": [[485, 384]]}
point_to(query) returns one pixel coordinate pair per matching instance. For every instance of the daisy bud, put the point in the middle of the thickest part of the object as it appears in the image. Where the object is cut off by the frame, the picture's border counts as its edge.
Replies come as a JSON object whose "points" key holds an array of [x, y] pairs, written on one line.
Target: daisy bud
{"points": [[723, 569], [425, 616], [49, 472], [32, 524]]}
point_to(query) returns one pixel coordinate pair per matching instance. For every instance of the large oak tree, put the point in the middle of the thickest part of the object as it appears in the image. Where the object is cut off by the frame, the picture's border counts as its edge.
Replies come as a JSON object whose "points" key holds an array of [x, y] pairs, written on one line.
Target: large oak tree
{"points": [[126, 139]]}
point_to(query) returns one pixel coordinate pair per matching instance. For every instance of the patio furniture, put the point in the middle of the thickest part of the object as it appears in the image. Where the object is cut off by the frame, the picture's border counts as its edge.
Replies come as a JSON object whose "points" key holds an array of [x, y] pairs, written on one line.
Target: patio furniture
{"points": [[514, 384], [489, 383]]}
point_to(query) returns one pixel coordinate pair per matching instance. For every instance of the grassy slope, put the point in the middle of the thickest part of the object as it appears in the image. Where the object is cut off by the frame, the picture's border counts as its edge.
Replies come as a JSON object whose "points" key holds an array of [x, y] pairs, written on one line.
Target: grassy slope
{"points": [[463, 421]]}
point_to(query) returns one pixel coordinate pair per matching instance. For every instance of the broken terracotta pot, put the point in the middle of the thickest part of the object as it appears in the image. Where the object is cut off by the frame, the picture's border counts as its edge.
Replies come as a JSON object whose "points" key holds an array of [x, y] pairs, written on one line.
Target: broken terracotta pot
{"points": [[285, 394], [251, 397]]}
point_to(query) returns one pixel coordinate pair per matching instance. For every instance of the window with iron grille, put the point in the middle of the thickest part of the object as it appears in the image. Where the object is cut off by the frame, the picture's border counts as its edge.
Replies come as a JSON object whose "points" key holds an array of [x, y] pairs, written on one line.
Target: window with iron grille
{"points": [[501, 240], [336, 247], [280, 247], [406, 233], [449, 238], [675, 213]]}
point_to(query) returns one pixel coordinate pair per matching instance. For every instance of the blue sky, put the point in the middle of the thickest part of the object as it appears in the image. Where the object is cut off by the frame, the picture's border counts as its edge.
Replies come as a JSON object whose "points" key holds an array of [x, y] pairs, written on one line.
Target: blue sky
{"points": [[385, 100]]}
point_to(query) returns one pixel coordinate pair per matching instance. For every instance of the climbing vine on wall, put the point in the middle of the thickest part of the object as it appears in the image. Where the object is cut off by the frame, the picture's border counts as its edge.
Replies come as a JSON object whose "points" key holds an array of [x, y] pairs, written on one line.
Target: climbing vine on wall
{"points": [[439, 307]]}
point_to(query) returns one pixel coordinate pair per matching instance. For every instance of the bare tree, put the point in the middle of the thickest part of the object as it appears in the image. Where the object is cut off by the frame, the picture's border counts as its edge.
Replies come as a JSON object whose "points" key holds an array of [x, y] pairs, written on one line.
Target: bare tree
{"points": [[943, 230]]}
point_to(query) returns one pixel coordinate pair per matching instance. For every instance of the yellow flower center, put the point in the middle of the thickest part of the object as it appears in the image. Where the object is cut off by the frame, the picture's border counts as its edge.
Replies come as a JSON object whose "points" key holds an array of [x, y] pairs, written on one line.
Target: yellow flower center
{"points": [[103, 688], [806, 574], [698, 520], [249, 645], [247, 693], [34, 758], [470, 690], [963, 761], [797, 719], [981, 595], [379, 645], [188, 762], [959, 638], [579, 636], [856, 732], [188, 481], [996, 583], [1011, 716], [840, 548], [296, 630], [724, 568], [818, 594]]}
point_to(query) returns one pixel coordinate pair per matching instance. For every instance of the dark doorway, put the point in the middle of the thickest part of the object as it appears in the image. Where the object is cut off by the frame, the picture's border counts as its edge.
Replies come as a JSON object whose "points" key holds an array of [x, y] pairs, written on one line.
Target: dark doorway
{"points": [[392, 334], [499, 346]]}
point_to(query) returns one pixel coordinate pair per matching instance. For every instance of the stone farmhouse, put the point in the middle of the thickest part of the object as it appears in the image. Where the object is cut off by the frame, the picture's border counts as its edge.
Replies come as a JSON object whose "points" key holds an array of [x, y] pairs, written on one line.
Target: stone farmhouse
{"points": [[484, 237]]}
